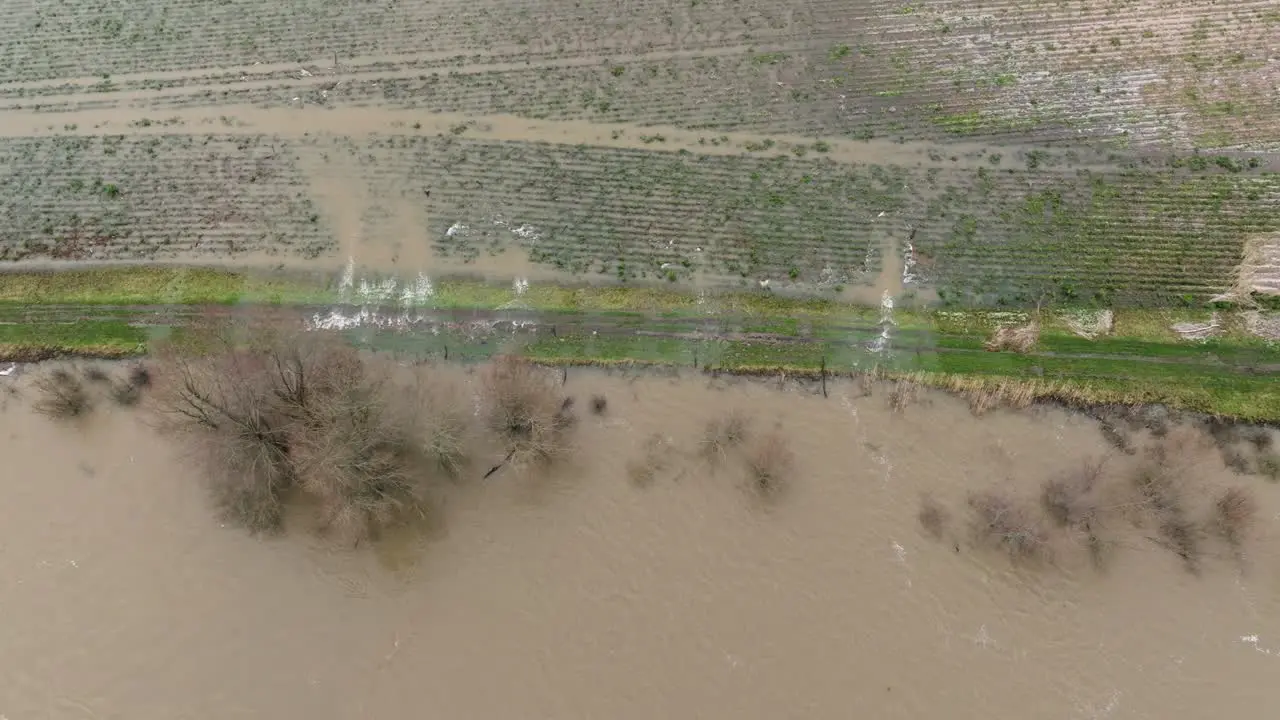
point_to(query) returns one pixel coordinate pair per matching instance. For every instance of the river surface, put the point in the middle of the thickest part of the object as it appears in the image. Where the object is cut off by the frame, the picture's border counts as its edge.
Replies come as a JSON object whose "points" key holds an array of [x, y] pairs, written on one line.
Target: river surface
{"points": [[581, 593]]}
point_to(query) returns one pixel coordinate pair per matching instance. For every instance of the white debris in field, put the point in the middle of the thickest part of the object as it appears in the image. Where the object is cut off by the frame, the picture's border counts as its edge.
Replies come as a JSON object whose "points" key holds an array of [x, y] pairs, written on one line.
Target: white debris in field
{"points": [[1198, 330], [419, 293], [1089, 324], [348, 280], [527, 233], [455, 229], [909, 265], [13, 367], [1263, 325], [378, 291]]}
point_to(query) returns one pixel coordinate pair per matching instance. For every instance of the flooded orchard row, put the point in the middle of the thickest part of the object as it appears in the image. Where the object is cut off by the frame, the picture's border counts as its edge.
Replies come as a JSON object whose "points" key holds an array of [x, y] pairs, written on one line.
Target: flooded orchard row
{"points": [[645, 575]]}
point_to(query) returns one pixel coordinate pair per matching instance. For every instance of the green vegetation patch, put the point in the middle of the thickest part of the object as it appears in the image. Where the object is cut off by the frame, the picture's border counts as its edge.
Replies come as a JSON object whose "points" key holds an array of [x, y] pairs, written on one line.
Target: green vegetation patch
{"points": [[91, 338], [154, 286]]}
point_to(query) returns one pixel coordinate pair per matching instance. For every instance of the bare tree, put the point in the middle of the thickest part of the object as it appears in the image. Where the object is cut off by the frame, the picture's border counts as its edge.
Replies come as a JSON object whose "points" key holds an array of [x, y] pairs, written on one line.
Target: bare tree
{"points": [[272, 410], [525, 408]]}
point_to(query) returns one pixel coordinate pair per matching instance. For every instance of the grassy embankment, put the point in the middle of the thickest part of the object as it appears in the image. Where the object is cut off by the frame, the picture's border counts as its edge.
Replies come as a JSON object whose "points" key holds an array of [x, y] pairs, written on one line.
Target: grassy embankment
{"points": [[87, 312]]}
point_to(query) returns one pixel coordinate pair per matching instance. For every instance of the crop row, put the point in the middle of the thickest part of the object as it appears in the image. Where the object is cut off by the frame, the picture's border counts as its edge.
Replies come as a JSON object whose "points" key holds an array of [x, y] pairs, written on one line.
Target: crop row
{"points": [[817, 92], [125, 197], [1001, 70], [989, 235], [113, 37], [633, 213], [1127, 236]]}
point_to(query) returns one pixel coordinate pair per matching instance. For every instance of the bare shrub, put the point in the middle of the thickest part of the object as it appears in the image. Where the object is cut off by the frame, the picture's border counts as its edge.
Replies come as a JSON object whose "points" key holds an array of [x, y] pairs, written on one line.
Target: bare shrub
{"points": [[62, 395], [248, 470], [599, 404], [1183, 537], [1008, 524], [355, 457], [722, 434], [1160, 486], [525, 408], [654, 459], [437, 414], [125, 394], [1234, 513], [271, 411], [933, 517], [1070, 499], [95, 374], [1258, 436], [139, 376], [1268, 466], [1235, 460], [128, 391], [1117, 437], [770, 461], [225, 405]]}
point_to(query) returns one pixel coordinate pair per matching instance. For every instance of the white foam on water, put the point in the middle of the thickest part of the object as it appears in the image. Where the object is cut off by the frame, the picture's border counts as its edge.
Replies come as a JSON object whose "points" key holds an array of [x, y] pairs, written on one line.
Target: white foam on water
{"points": [[881, 343], [348, 279], [909, 265], [1257, 645], [1088, 710], [419, 293]]}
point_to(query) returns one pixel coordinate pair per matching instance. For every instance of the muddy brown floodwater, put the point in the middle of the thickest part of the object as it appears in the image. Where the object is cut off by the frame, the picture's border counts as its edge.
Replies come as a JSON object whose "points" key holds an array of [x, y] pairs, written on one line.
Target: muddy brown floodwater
{"points": [[583, 594]]}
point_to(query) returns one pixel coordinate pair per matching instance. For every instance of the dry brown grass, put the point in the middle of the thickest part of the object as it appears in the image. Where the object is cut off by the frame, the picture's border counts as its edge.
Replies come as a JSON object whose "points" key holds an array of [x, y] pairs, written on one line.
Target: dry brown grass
{"points": [[1004, 522], [526, 409], [933, 517], [1017, 338], [1234, 513], [61, 395], [770, 461], [903, 393]]}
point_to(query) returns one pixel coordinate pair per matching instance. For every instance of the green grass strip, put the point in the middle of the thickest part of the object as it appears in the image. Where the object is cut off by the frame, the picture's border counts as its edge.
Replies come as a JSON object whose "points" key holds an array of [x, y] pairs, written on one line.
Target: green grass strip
{"points": [[96, 338]]}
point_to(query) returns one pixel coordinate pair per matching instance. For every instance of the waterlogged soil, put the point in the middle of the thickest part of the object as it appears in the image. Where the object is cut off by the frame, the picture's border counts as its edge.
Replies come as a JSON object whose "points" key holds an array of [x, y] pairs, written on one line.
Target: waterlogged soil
{"points": [[578, 592]]}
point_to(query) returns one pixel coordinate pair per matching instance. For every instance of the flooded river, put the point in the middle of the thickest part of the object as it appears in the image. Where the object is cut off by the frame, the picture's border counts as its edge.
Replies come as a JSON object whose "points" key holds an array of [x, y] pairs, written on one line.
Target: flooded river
{"points": [[582, 593]]}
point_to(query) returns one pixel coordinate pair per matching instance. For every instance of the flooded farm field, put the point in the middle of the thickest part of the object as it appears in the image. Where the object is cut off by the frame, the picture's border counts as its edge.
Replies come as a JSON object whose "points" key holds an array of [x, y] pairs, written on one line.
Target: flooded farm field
{"points": [[642, 576]]}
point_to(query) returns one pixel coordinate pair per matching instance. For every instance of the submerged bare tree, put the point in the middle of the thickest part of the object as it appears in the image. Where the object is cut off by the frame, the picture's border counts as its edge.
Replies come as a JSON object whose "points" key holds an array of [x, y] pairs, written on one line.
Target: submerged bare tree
{"points": [[273, 411], [525, 408], [1005, 522], [61, 395]]}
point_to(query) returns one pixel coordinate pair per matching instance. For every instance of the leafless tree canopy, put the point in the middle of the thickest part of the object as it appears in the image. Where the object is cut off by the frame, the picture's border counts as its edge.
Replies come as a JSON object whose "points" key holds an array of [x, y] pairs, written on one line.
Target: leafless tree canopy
{"points": [[524, 406], [770, 461], [273, 412], [1007, 523], [61, 395]]}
